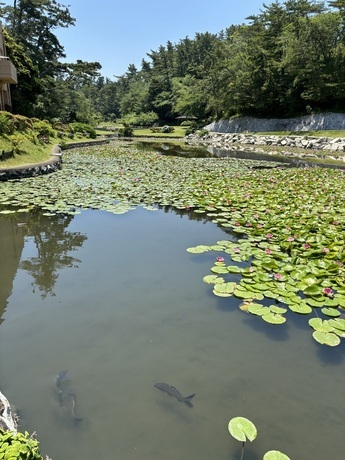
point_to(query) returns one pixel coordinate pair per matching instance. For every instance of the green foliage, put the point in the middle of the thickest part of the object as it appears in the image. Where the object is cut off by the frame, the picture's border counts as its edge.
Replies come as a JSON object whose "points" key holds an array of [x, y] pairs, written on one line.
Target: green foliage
{"points": [[141, 119], [7, 123], [23, 123], [126, 131], [17, 141], [167, 129], [18, 446], [43, 129], [83, 128]]}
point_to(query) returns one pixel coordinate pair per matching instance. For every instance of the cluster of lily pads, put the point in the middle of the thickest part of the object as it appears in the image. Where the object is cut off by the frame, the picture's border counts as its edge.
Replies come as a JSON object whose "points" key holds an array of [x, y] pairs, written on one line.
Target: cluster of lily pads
{"points": [[242, 429], [287, 225]]}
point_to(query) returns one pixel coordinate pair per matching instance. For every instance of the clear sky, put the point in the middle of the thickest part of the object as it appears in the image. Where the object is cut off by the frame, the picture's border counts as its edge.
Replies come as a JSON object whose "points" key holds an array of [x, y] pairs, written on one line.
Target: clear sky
{"points": [[117, 33]]}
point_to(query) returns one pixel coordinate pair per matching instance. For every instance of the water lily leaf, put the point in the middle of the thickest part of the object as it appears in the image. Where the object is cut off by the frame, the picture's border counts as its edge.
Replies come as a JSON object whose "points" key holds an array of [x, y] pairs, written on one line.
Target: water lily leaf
{"points": [[243, 294], [213, 279], [315, 323], [275, 455], [314, 303], [198, 249], [337, 323], [220, 270], [333, 312], [224, 289], [314, 289], [278, 310], [242, 429], [216, 247], [234, 269], [258, 309], [273, 318], [331, 302], [326, 338], [300, 308]]}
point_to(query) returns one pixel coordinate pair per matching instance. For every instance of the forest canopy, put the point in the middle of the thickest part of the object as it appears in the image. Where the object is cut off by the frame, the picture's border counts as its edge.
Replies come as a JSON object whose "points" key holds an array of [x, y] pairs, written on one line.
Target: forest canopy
{"points": [[289, 59]]}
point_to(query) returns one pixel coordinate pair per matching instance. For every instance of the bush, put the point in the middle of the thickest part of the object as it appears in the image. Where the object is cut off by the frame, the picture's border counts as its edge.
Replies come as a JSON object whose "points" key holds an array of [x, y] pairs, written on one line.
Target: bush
{"points": [[167, 129], [18, 446], [83, 128], [43, 129], [126, 131], [23, 123], [7, 123]]}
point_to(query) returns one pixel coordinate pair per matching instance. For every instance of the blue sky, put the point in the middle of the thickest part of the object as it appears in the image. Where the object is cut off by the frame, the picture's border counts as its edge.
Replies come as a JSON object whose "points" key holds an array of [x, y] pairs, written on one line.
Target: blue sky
{"points": [[117, 33]]}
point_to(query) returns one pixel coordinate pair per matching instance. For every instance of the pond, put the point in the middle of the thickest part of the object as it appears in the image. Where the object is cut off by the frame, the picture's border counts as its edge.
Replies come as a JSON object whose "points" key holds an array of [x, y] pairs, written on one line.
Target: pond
{"points": [[117, 301]]}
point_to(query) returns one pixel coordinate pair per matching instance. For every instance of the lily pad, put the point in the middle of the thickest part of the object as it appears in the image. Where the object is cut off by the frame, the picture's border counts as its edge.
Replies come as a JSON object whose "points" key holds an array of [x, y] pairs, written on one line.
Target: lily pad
{"points": [[275, 455], [213, 279], [300, 308], [333, 312], [242, 429], [273, 318], [326, 338], [198, 249], [234, 269]]}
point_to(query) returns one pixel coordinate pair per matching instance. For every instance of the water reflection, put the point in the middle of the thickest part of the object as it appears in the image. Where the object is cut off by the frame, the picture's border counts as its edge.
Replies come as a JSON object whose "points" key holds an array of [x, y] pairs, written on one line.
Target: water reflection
{"points": [[53, 244], [183, 149], [12, 231]]}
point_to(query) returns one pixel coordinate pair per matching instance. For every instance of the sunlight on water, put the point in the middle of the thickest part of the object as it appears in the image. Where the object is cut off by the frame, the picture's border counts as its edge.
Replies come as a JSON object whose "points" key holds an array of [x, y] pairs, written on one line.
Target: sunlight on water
{"points": [[119, 303]]}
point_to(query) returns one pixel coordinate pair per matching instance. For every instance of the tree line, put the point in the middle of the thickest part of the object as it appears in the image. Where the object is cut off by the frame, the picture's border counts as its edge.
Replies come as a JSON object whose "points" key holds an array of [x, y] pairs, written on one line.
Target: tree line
{"points": [[289, 59]]}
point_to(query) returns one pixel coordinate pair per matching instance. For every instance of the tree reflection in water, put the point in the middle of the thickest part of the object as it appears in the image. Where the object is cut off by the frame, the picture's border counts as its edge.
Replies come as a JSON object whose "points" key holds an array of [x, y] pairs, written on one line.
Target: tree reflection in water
{"points": [[54, 243]]}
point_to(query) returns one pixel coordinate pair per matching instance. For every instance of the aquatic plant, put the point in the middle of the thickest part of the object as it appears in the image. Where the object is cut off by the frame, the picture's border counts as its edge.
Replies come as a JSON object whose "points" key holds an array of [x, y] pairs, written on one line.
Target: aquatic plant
{"points": [[242, 429], [285, 250]]}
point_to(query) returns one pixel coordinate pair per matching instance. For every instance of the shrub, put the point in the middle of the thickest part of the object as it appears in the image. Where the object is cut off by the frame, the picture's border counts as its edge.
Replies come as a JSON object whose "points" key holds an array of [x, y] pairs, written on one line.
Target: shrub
{"points": [[17, 141], [43, 129], [146, 119], [23, 123], [83, 128], [126, 131], [7, 123], [167, 129], [18, 446]]}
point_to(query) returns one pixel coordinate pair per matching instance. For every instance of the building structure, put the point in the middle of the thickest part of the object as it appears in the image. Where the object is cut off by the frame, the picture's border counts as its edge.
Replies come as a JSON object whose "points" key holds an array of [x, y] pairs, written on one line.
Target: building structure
{"points": [[8, 75]]}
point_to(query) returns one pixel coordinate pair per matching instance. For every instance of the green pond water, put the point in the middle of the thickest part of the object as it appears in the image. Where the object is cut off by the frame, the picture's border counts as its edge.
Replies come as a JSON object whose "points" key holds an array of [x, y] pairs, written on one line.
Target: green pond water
{"points": [[118, 302]]}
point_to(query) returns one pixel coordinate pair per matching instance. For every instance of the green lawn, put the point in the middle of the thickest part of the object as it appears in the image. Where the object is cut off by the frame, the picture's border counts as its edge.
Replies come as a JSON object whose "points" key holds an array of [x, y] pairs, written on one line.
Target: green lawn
{"points": [[179, 131]]}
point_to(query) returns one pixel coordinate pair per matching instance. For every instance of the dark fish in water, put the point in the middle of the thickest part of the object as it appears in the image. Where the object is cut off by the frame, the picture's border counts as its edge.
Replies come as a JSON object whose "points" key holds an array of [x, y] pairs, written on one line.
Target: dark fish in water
{"points": [[66, 395], [73, 400], [59, 384], [172, 391]]}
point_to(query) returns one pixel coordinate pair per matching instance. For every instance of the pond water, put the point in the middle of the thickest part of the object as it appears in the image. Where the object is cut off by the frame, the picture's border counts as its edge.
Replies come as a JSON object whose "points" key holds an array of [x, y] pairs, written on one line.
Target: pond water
{"points": [[118, 302], [186, 150]]}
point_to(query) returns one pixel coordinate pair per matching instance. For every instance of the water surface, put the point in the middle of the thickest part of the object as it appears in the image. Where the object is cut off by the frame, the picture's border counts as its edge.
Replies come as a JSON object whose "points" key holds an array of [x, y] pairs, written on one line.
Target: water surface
{"points": [[119, 302]]}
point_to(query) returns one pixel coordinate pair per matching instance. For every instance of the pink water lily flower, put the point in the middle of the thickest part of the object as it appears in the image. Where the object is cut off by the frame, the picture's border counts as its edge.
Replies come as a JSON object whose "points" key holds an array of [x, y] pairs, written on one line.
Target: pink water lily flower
{"points": [[277, 276], [220, 259], [269, 236], [325, 250], [236, 250], [328, 292], [268, 251], [291, 238], [306, 246]]}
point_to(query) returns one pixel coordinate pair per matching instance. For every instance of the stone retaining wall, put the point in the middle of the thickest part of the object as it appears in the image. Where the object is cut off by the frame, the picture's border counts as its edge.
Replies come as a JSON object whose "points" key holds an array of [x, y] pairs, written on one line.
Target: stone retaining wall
{"points": [[221, 140], [20, 172], [315, 122]]}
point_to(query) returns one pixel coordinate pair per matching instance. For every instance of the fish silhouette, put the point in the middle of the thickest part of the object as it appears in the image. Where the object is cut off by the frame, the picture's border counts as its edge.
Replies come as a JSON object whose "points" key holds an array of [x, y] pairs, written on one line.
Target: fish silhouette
{"points": [[172, 391]]}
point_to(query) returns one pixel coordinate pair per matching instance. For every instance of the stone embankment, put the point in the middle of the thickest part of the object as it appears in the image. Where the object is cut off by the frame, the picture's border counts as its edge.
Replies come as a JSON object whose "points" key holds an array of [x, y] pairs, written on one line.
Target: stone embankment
{"points": [[229, 140], [19, 172], [314, 122]]}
